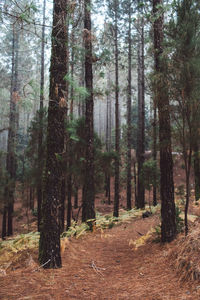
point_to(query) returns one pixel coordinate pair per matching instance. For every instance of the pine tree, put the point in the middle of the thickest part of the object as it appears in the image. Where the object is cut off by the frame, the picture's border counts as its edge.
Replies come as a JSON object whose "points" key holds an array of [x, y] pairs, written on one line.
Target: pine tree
{"points": [[129, 109], [49, 246], [141, 111], [40, 135], [154, 150], [168, 225], [11, 160], [185, 85], [88, 211], [117, 127], [196, 164]]}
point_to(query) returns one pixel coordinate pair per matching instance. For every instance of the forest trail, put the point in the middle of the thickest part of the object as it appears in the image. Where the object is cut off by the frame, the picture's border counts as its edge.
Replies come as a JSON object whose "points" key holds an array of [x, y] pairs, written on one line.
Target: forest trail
{"points": [[103, 265]]}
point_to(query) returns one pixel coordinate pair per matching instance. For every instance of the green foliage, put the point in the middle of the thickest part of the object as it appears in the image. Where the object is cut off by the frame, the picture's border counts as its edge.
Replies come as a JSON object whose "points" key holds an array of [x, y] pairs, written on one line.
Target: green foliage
{"points": [[103, 161], [33, 7], [179, 220], [28, 155], [134, 125], [179, 225], [103, 165], [150, 174], [181, 193], [34, 212], [103, 222], [76, 230], [3, 177], [28, 11], [157, 238], [183, 166], [79, 91], [11, 250], [184, 69]]}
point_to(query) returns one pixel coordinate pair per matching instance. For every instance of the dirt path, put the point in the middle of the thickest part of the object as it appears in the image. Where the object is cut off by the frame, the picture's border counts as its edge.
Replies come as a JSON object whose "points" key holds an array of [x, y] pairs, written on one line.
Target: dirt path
{"points": [[103, 266]]}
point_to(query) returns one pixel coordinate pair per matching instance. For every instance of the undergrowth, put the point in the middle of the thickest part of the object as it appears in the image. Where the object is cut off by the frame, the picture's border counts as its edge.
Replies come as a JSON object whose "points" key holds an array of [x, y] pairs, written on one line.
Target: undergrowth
{"points": [[14, 246], [179, 225]]}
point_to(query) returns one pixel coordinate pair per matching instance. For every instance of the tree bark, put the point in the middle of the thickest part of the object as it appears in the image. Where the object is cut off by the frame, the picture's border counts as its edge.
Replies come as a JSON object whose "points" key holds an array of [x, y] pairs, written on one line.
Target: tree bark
{"points": [[40, 135], [108, 135], [141, 117], [187, 160], [49, 245], [31, 197], [196, 165], [88, 211], [75, 196], [69, 178], [168, 224], [155, 149], [129, 127], [69, 201], [4, 218], [11, 162], [62, 206], [117, 130]]}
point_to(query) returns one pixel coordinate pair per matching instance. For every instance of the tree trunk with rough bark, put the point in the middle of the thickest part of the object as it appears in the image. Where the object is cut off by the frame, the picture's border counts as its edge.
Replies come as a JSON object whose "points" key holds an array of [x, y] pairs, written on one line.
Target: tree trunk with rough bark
{"points": [[11, 160], [155, 149], [88, 211], [108, 135], [69, 178], [129, 127], [75, 196], [49, 245], [141, 115], [196, 164], [168, 224], [117, 129], [40, 135]]}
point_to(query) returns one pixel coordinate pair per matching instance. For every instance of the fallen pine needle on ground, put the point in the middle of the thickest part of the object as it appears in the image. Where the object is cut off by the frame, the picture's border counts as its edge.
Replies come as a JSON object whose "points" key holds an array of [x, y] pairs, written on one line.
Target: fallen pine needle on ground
{"points": [[103, 265]]}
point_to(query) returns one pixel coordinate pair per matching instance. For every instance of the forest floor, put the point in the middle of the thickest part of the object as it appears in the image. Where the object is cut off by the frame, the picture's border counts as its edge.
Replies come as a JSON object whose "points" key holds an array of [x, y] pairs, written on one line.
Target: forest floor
{"points": [[103, 265]]}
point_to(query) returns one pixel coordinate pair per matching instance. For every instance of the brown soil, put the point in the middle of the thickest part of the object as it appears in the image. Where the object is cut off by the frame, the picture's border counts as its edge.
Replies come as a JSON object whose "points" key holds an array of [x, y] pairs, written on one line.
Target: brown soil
{"points": [[103, 265]]}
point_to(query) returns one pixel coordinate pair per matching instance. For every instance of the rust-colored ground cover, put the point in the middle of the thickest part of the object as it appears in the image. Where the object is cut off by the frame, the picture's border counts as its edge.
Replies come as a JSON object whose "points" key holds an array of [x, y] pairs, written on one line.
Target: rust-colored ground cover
{"points": [[103, 265]]}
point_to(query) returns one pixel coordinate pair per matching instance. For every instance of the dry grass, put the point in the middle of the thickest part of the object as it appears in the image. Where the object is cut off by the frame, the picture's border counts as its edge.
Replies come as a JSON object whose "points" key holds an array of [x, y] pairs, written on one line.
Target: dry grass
{"points": [[187, 253], [17, 251]]}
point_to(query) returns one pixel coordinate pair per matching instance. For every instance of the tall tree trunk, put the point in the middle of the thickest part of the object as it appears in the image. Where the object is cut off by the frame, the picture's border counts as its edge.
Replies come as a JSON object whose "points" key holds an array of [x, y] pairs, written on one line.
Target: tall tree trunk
{"points": [[108, 135], [129, 112], [155, 150], [81, 105], [117, 130], [187, 160], [12, 160], [72, 73], [67, 146], [69, 200], [69, 178], [49, 245], [75, 196], [11, 147], [62, 206], [88, 211], [196, 164], [168, 225], [4, 218], [40, 135], [31, 197], [135, 181], [141, 116]]}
